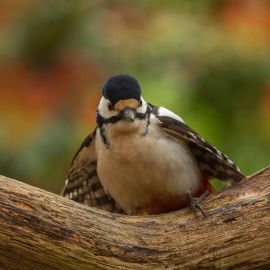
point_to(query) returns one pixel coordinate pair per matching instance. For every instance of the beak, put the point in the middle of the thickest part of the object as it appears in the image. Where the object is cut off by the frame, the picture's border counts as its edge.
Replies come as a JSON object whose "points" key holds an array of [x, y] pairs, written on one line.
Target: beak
{"points": [[128, 114]]}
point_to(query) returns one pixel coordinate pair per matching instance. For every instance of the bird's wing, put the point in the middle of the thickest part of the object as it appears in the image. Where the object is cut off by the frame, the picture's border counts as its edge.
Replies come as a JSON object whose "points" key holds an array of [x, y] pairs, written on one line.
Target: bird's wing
{"points": [[83, 184], [212, 162]]}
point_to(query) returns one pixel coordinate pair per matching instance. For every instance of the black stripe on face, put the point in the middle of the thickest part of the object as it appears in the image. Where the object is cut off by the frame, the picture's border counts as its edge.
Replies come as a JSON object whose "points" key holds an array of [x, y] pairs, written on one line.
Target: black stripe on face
{"points": [[142, 116], [104, 121], [154, 109], [114, 119]]}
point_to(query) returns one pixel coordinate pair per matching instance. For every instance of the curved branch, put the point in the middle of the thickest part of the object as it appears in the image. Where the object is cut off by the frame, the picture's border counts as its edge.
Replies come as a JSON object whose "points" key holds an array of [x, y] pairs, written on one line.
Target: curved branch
{"points": [[40, 230]]}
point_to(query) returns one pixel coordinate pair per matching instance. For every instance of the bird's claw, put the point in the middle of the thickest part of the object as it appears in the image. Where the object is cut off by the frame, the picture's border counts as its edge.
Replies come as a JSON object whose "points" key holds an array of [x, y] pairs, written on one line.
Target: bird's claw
{"points": [[195, 202]]}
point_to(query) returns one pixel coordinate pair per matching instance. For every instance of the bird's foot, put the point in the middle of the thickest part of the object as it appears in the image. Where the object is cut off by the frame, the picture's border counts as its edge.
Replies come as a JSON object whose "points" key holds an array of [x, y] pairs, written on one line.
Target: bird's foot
{"points": [[195, 201]]}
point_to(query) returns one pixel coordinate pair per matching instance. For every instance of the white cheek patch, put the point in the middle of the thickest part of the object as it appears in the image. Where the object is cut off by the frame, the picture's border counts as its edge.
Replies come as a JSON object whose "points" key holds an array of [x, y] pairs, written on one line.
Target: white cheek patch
{"points": [[103, 108], [165, 112], [143, 107]]}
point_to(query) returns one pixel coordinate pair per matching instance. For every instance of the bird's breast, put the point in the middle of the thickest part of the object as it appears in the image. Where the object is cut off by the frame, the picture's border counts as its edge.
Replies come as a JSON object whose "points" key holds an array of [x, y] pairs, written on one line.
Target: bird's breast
{"points": [[149, 173]]}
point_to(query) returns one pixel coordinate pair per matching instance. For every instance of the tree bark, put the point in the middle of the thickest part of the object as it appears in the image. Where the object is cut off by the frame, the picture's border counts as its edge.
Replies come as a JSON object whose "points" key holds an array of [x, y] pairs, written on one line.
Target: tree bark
{"points": [[41, 230]]}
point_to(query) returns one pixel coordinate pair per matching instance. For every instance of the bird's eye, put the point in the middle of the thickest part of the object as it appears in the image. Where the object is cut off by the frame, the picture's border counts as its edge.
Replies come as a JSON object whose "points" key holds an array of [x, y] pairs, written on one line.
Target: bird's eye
{"points": [[110, 107]]}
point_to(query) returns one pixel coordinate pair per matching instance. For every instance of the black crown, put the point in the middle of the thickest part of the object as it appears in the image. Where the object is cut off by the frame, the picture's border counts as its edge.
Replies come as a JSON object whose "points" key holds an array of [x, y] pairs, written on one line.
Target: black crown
{"points": [[121, 87]]}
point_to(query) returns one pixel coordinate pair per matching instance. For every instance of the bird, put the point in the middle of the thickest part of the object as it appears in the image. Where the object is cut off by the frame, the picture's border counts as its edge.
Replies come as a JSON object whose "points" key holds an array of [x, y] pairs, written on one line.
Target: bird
{"points": [[142, 159]]}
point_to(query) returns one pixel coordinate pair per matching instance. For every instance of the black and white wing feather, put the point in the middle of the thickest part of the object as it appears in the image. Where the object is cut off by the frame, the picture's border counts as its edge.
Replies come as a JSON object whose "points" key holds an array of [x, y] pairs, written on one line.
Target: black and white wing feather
{"points": [[83, 184], [212, 162]]}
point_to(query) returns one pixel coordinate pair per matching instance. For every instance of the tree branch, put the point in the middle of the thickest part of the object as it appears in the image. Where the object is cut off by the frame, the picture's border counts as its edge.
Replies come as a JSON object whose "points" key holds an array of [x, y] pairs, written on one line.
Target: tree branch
{"points": [[40, 230]]}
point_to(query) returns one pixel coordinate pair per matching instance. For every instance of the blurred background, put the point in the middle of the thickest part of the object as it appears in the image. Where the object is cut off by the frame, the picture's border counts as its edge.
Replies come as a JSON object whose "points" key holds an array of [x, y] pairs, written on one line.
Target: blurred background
{"points": [[208, 61]]}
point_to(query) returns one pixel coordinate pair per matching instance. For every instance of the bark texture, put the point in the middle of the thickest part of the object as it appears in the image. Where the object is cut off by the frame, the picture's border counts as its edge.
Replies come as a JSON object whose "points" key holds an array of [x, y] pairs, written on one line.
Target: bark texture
{"points": [[41, 230]]}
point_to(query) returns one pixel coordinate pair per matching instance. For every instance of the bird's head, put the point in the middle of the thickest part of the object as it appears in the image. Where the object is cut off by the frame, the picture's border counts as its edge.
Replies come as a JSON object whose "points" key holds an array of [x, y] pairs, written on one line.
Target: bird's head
{"points": [[121, 101]]}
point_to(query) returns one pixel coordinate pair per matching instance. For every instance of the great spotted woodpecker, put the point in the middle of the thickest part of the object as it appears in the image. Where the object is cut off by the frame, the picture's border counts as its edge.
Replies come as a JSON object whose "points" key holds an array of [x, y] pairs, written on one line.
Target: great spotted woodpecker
{"points": [[142, 158]]}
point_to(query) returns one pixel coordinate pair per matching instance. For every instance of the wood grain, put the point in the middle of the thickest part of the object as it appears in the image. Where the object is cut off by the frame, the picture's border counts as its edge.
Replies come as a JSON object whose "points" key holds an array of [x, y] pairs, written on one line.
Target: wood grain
{"points": [[41, 230]]}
